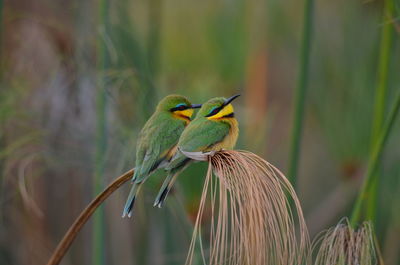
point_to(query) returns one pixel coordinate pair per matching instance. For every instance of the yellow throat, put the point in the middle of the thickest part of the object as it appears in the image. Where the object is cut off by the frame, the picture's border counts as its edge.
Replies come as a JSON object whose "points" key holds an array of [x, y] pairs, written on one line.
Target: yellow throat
{"points": [[228, 109], [229, 141], [185, 115]]}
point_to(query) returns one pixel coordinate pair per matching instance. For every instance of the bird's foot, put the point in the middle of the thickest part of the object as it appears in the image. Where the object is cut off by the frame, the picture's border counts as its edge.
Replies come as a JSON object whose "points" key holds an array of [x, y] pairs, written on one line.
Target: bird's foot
{"points": [[198, 156]]}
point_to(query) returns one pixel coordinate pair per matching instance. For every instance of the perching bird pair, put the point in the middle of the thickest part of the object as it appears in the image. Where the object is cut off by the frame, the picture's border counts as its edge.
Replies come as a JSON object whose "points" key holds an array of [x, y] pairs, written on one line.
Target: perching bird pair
{"points": [[170, 129]]}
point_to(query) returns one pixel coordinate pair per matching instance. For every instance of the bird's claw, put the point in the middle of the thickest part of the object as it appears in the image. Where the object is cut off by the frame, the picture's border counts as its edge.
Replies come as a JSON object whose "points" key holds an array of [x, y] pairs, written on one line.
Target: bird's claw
{"points": [[198, 156]]}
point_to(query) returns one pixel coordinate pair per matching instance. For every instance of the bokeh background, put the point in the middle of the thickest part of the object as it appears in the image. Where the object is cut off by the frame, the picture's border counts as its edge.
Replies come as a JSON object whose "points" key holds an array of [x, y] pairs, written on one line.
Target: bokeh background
{"points": [[80, 78]]}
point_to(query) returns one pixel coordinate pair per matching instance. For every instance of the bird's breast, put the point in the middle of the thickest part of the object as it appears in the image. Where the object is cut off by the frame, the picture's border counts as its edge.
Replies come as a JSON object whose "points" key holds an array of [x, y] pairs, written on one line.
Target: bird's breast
{"points": [[230, 139]]}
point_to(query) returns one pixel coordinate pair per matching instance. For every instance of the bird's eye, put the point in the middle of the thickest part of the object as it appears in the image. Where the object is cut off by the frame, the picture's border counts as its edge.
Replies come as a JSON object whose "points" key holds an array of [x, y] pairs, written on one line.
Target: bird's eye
{"points": [[213, 111], [180, 106]]}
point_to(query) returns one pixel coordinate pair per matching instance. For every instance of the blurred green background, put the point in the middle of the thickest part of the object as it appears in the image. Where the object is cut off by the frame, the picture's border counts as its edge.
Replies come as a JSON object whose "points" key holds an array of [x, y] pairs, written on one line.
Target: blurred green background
{"points": [[80, 78]]}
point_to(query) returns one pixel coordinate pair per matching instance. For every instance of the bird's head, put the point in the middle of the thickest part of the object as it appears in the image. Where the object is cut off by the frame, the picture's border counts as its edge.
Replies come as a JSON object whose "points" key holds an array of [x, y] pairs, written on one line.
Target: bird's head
{"points": [[218, 108], [179, 106]]}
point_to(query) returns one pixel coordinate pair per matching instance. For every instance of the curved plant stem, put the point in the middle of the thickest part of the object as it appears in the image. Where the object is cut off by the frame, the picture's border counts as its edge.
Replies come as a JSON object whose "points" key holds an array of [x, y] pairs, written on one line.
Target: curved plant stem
{"points": [[301, 91], [72, 232], [381, 94], [374, 160]]}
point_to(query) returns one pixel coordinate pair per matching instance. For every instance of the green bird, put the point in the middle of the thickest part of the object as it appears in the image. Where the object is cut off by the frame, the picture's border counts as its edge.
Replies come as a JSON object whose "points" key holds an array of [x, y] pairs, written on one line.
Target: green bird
{"points": [[157, 141], [214, 128]]}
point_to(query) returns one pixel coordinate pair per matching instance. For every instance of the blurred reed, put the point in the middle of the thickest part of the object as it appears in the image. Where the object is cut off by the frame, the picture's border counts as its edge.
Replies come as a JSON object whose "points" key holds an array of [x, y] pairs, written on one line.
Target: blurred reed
{"points": [[300, 93], [336, 85], [140, 62], [2, 94], [374, 160], [385, 55], [98, 243], [153, 37], [1, 41]]}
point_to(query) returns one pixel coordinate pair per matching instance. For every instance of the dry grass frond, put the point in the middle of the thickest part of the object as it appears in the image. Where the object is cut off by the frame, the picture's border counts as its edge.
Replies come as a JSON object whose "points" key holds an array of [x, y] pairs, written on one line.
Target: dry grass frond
{"points": [[252, 219], [342, 245], [28, 200]]}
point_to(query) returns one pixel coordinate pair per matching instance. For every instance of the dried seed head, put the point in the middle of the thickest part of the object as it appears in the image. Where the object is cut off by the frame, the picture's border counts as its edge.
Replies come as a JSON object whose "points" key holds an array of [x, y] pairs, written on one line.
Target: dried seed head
{"points": [[252, 218], [342, 245]]}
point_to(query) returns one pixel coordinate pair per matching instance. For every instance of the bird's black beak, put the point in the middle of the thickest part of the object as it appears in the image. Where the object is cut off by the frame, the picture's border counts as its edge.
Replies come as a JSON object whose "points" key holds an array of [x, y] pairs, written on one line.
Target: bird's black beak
{"points": [[229, 100], [196, 106]]}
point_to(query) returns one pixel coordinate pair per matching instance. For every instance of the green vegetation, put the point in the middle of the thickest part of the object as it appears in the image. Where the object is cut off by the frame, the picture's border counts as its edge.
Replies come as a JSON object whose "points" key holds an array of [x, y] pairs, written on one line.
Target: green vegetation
{"points": [[385, 53], [301, 91], [78, 81], [374, 159], [103, 63]]}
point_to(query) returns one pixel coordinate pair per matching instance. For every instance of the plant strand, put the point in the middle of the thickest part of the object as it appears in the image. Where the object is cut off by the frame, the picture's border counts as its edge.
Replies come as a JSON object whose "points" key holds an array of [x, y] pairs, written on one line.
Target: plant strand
{"points": [[301, 89], [73, 231], [374, 160]]}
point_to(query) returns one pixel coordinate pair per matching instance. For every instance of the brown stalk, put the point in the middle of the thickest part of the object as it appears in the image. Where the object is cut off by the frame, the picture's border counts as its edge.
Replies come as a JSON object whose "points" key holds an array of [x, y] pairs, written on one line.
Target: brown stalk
{"points": [[72, 232]]}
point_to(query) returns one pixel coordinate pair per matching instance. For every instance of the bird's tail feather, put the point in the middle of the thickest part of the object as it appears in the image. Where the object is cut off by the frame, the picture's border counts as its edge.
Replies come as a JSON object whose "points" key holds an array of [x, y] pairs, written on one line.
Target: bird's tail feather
{"points": [[131, 200], [170, 180], [165, 188]]}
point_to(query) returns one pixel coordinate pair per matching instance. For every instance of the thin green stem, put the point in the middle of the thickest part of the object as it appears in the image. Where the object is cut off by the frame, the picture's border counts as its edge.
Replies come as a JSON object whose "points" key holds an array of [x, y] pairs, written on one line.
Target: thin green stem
{"points": [[98, 253], [374, 160], [154, 36], [301, 88], [381, 94], [1, 40], [2, 96]]}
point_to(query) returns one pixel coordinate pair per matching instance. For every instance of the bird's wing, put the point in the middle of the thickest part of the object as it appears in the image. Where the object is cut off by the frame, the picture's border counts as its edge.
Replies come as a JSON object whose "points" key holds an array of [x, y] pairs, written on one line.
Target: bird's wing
{"points": [[156, 146], [199, 136]]}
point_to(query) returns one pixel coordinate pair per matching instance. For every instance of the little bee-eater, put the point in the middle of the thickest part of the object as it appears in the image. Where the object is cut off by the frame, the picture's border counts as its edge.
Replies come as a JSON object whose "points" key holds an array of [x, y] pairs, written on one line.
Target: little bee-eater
{"points": [[157, 141], [214, 128]]}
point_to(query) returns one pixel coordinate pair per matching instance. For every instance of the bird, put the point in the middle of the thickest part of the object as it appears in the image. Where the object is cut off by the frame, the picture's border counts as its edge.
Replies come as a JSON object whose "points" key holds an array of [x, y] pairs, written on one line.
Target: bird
{"points": [[213, 129], [157, 141]]}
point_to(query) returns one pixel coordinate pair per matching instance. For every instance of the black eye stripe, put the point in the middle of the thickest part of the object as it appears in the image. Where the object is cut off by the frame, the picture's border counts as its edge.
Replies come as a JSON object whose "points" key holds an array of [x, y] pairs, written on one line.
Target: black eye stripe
{"points": [[181, 107], [215, 111]]}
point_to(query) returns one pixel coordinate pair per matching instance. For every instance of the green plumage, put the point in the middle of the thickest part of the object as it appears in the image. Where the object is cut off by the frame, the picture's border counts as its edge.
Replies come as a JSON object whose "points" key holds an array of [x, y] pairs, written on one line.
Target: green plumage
{"points": [[156, 141], [202, 134], [158, 136]]}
